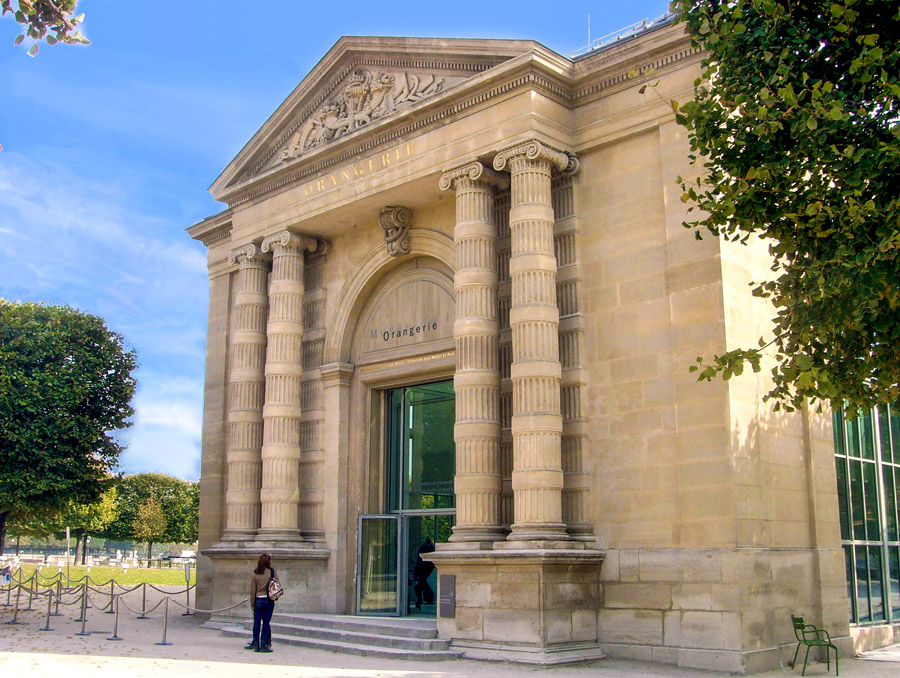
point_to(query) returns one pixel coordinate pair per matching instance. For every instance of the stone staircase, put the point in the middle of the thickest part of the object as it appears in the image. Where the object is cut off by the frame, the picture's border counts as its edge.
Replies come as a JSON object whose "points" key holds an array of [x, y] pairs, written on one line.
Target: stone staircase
{"points": [[383, 637]]}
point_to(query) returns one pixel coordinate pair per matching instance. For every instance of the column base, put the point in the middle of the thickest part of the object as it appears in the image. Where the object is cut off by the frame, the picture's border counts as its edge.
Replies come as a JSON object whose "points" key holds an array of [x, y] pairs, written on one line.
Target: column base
{"points": [[476, 534], [271, 535], [538, 532], [232, 537], [539, 544]]}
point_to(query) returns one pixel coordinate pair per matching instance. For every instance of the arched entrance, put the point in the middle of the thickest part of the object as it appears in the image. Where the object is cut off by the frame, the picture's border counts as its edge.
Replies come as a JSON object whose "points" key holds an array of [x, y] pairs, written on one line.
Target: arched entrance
{"points": [[404, 398], [420, 503]]}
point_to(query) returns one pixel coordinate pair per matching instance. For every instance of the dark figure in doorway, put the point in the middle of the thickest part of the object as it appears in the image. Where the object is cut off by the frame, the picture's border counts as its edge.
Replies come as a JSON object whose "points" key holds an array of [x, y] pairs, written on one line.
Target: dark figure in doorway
{"points": [[420, 575]]}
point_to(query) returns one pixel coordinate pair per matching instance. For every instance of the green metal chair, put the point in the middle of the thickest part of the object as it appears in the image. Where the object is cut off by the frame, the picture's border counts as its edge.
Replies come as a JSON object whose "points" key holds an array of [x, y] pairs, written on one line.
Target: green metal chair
{"points": [[809, 635]]}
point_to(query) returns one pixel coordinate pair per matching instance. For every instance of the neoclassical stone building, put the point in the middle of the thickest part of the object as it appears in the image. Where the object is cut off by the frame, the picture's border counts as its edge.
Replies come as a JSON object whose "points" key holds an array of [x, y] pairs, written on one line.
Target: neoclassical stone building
{"points": [[451, 299]]}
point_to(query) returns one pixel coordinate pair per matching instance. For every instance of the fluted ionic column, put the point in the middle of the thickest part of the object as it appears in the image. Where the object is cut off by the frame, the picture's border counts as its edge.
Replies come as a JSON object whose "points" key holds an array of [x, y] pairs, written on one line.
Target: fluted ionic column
{"points": [[246, 394], [478, 482], [537, 476], [280, 495]]}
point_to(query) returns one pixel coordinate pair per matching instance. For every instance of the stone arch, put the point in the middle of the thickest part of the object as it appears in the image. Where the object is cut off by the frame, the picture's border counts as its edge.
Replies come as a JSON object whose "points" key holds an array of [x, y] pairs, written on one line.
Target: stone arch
{"points": [[370, 270]]}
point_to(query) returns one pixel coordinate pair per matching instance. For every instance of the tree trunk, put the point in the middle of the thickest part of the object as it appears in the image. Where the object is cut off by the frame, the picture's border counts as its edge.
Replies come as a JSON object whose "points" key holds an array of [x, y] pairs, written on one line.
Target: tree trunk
{"points": [[3, 515], [18, 541], [149, 552], [84, 548], [78, 535]]}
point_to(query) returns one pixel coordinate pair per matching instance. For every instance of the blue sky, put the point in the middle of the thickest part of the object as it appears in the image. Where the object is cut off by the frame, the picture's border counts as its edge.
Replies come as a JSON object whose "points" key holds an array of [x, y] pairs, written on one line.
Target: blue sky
{"points": [[108, 151]]}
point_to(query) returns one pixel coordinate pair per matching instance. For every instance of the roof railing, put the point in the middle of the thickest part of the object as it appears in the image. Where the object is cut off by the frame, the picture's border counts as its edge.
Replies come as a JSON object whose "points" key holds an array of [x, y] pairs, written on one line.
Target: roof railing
{"points": [[622, 34]]}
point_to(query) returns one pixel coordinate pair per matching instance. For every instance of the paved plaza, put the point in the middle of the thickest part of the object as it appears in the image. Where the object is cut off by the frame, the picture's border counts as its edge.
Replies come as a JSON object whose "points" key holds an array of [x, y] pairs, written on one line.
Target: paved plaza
{"points": [[198, 652]]}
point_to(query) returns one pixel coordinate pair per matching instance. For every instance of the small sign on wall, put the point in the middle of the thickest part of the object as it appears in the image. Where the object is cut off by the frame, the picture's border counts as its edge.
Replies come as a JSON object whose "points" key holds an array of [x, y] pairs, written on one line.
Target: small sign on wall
{"points": [[447, 589]]}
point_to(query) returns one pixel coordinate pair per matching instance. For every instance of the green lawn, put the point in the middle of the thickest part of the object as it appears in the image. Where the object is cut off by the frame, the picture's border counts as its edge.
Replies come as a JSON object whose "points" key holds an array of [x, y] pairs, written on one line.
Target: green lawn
{"points": [[102, 575]]}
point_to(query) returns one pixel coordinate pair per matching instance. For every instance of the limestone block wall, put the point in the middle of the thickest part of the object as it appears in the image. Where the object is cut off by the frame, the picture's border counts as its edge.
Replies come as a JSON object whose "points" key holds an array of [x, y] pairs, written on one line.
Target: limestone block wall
{"points": [[212, 460], [719, 517]]}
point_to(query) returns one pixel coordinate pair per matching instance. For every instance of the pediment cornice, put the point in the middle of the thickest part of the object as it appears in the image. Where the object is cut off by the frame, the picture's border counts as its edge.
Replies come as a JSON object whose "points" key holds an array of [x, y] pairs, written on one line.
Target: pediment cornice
{"points": [[468, 83]]}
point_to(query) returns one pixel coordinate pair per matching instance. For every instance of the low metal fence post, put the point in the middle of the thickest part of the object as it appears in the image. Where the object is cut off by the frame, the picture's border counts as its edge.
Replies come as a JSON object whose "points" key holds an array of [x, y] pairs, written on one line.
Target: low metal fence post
{"points": [[165, 623], [112, 593], [115, 635], [15, 619], [143, 614], [32, 583], [83, 619], [9, 588], [58, 596], [49, 607]]}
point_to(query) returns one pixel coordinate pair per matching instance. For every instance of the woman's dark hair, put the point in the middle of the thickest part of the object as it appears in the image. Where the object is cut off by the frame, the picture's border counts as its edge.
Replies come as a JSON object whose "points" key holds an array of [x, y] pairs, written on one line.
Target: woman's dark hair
{"points": [[263, 564]]}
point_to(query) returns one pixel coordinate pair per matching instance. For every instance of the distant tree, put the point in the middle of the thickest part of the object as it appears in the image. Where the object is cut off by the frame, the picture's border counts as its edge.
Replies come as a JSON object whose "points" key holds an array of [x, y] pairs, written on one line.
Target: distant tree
{"points": [[87, 519], [82, 519], [796, 124], [178, 500], [50, 20], [65, 386], [149, 523]]}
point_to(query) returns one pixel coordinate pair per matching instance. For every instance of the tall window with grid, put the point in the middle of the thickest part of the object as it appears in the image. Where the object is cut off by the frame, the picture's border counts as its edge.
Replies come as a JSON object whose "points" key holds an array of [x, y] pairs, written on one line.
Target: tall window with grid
{"points": [[867, 457]]}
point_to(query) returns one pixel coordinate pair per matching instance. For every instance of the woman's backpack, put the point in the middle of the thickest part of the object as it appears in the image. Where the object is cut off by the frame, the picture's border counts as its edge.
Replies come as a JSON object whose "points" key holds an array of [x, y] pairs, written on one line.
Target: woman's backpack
{"points": [[274, 590]]}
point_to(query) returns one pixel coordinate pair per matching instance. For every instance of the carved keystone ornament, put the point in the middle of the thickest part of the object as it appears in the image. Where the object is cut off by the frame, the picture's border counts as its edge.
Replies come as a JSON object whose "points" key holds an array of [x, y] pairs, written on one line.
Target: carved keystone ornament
{"points": [[395, 220]]}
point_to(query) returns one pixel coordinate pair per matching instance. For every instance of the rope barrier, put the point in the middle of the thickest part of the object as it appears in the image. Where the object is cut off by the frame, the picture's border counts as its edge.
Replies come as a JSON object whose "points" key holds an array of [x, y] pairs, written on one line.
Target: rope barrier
{"points": [[32, 586], [143, 612]]}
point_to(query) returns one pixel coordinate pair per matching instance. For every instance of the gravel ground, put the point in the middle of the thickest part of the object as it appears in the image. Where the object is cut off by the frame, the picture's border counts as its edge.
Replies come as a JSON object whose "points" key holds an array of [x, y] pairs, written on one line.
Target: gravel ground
{"points": [[196, 652]]}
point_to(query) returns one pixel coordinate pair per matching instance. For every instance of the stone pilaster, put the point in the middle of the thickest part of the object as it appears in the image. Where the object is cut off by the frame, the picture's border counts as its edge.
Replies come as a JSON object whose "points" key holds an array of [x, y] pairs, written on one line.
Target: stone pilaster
{"points": [[246, 394], [280, 494], [476, 331], [537, 477]]}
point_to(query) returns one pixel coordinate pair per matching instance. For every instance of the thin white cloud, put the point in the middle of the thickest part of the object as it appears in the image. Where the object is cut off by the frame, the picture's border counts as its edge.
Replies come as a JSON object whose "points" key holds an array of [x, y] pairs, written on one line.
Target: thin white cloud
{"points": [[79, 240]]}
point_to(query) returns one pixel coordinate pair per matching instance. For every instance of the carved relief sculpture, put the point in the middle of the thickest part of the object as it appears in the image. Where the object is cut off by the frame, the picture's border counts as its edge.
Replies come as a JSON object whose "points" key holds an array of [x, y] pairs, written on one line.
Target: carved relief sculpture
{"points": [[367, 96], [395, 220]]}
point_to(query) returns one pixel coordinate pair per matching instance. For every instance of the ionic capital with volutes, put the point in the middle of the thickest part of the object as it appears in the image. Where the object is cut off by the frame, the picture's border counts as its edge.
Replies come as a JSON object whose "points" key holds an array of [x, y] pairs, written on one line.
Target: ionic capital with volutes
{"points": [[289, 241], [473, 171], [533, 149], [247, 255]]}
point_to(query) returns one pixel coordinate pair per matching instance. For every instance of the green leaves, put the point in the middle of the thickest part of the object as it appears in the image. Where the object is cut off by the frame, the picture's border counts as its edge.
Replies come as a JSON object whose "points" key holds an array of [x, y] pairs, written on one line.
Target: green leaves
{"points": [[178, 501], [800, 145], [46, 20], [65, 387]]}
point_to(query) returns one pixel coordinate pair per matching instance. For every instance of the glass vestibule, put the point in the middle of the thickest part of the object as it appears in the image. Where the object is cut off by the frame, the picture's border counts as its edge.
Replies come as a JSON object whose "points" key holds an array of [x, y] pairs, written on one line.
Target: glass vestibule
{"points": [[420, 505]]}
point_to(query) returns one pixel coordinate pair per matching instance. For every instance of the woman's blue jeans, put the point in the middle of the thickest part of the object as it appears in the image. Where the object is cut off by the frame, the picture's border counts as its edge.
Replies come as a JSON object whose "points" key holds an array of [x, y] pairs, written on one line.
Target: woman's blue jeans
{"points": [[262, 615]]}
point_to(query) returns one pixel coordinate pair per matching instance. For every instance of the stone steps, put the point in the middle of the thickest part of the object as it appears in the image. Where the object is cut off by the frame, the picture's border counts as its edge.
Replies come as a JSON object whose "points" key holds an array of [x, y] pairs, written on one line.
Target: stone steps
{"points": [[387, 638]]}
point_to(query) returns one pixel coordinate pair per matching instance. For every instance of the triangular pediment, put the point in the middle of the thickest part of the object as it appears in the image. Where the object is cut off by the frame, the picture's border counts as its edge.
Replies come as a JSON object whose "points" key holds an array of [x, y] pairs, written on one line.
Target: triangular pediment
{"points": [[361, 84]]}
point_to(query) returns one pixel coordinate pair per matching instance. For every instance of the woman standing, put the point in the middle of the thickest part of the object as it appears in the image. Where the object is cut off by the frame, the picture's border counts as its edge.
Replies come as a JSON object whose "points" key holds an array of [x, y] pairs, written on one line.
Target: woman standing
{"points": [[261, 604]]}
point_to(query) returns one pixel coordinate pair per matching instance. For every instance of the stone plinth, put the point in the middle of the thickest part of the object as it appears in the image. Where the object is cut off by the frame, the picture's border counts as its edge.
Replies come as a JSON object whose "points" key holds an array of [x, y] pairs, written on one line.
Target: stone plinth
{"points": [[532, 606], [301, 571]]}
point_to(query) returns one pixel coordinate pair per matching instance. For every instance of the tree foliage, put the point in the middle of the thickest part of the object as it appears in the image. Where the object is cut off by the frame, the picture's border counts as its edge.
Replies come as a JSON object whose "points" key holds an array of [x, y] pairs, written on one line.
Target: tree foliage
{"points": [[178, 500], [65, 386], [83, 520], [795, 123], [149, 522], [50, 20]]}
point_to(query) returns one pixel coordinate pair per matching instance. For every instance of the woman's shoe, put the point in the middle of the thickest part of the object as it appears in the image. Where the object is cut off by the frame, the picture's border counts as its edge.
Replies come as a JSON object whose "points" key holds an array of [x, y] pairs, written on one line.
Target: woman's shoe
{"points": [[264, 649], [250, 646]]}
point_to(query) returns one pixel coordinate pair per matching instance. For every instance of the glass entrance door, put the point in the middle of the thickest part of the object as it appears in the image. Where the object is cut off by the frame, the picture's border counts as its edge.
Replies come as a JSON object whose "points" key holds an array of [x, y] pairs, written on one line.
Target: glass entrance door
{"points": [[420, 505]]}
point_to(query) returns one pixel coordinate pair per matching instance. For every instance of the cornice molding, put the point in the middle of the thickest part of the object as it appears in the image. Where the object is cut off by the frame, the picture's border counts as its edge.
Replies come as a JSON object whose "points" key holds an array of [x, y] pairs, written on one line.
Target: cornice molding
{"points": [[212, 230]]}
